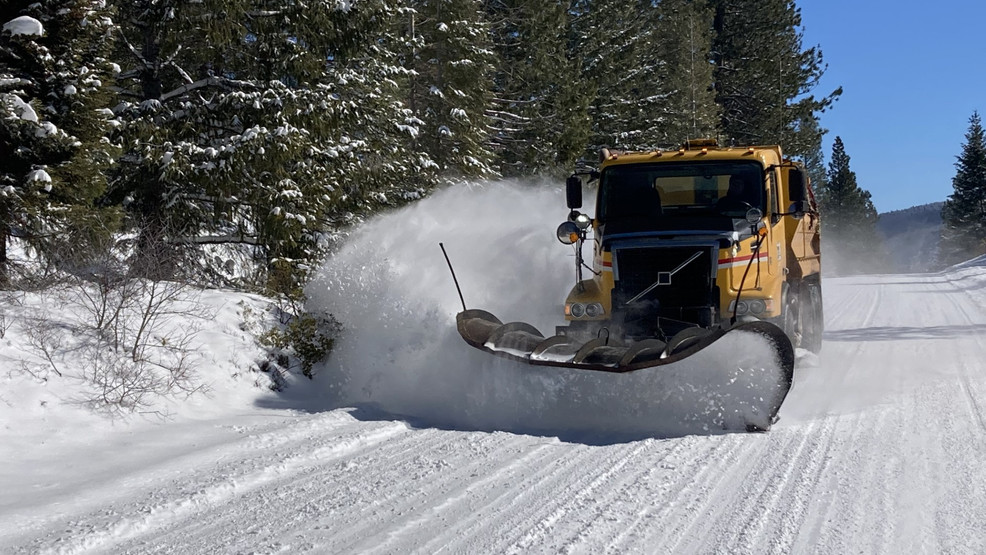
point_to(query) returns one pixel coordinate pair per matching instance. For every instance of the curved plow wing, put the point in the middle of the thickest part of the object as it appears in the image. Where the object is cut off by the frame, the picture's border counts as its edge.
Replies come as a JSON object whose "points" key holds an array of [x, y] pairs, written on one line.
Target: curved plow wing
{"points": [[746, 370]]}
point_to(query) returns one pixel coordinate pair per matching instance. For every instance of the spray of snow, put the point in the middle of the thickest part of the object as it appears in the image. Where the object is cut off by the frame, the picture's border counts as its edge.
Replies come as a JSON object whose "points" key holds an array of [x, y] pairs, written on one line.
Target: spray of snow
{"points": [[401, 353]]}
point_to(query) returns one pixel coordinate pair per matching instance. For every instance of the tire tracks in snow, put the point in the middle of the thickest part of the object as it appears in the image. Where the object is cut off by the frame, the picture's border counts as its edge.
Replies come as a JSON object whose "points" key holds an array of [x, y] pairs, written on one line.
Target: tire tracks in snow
{"points": [[964, 451], [157, 465], [327, 486], [737, 517], [540, 509], [689, 497], [661, 485], [889, 496], [587, 519], [215, 486], [482, 489], [778, 495], [838, 312], [351, 505], [791, 462], [974, 406]]}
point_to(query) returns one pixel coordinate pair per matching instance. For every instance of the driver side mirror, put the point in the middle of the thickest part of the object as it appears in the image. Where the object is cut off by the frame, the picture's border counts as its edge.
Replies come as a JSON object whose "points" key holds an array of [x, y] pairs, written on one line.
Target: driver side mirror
{"points": [[797, 188], [798, 193], [573, 192]]}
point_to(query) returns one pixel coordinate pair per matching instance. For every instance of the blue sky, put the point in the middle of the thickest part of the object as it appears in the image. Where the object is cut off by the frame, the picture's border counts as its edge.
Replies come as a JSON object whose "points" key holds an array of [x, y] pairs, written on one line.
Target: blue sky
{"points": [[912, 74]]}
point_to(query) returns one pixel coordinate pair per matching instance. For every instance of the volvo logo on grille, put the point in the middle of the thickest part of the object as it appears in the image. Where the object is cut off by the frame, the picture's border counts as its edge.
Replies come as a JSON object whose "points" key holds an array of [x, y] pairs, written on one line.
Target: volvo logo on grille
{"points": [[664, 278]]}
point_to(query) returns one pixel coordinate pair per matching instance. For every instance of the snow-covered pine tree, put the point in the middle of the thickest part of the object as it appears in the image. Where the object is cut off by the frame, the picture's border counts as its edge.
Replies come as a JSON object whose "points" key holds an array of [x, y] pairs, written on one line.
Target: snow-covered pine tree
{"points": [[54, 79], [260, 123], [683, 39], [540, 106], [622, 68], [170, 174], [335, 74], [648, 65], [450, 89], [764, 77], [848, 218], [964, 213]]}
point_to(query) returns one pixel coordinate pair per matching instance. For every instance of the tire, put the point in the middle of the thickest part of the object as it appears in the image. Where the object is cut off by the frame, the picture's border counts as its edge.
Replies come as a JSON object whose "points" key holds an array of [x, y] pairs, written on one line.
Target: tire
{"points": [[792, 321], [814, 323]]}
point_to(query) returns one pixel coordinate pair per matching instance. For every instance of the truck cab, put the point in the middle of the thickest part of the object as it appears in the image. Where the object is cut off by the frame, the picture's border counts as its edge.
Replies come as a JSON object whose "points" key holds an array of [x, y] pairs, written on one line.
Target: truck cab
{"points": [[697, 237]]}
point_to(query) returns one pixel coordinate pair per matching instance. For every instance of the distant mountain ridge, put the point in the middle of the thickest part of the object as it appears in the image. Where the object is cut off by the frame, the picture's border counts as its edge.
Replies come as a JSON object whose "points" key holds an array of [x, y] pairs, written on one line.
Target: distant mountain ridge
{"points": [[911, 237]]}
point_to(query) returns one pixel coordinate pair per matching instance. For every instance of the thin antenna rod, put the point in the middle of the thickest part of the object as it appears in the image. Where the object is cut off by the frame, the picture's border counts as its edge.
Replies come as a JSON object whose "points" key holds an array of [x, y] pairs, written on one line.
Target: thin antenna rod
{"points": [[449, 262]]}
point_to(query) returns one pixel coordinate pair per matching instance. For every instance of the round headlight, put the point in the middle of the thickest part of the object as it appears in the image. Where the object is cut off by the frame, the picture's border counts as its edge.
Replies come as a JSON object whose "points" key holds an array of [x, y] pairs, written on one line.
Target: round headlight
{"points": [[757, 306], [578, 310], [741, 308], [583, 221], [754, 215], [593, 310], [568, 233]]}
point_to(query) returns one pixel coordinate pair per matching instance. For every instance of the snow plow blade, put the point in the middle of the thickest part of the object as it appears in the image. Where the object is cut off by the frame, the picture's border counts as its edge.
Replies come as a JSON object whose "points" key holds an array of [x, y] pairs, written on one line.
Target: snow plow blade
{"points": [[747, 369]]}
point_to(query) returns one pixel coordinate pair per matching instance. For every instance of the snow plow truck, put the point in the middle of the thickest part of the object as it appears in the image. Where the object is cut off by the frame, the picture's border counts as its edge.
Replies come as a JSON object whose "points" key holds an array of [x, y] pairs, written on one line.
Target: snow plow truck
{"points": [[689, 246]]}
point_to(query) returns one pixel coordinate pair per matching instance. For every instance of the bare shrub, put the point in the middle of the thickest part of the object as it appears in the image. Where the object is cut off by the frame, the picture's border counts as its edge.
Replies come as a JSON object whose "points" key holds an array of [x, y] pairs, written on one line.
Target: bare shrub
{"points": [[102, 296], [140, 332], [8, 300], [118, 384], [46, 339], [144, 342]]}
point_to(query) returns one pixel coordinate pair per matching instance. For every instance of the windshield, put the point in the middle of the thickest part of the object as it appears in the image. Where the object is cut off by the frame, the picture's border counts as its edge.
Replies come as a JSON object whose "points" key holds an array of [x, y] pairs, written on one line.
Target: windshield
{"points": [[648, 191]]}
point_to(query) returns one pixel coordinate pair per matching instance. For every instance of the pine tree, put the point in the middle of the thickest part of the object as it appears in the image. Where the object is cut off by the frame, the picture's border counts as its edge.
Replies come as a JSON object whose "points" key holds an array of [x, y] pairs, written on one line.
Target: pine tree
{"points": [[763, 76], [450, 88], [622, 65], [964, 213], [683, 40], [648, 64], [262, 127], [539, 111], [54, 79], [848, 218]]}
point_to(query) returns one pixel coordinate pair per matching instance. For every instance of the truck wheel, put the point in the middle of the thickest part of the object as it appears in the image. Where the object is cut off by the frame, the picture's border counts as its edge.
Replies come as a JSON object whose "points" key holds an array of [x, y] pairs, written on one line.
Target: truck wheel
{"points": [[792, 319], [813, 320]]}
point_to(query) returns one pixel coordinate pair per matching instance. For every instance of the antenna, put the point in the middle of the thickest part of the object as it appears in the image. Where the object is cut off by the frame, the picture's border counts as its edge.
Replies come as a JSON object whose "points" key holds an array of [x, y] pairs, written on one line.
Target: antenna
{"points": [[449, 262]]}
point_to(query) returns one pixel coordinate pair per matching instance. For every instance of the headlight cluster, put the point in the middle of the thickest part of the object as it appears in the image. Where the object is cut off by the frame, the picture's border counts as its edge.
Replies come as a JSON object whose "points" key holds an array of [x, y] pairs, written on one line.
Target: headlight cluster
{"points": [[751, 306], [579, 310]]}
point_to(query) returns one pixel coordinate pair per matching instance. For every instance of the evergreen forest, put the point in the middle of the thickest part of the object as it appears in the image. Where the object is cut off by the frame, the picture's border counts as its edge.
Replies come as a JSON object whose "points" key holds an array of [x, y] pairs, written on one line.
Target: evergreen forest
{"points": [[157, 137]]}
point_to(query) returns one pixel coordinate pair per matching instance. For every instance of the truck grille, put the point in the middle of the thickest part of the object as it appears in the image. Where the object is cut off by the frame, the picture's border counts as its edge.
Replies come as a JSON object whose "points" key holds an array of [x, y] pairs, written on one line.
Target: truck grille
{"points": [[686, 293]]}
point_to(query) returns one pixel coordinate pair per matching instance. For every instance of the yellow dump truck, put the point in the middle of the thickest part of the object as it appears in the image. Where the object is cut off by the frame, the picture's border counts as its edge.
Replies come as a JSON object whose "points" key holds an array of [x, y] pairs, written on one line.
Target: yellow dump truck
{"points": [[699, 237], [688, 246]]}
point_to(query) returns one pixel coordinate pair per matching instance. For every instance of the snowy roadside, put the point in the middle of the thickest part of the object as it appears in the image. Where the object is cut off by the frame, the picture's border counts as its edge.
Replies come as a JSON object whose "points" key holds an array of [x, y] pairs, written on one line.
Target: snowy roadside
{"points": [[49, 333], [48, 365]]}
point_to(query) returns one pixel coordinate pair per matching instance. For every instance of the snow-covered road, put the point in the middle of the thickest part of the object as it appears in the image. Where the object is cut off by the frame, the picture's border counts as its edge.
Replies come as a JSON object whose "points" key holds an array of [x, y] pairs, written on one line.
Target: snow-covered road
{"points": [[881, 448]]}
